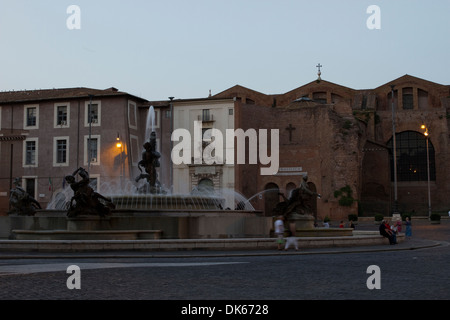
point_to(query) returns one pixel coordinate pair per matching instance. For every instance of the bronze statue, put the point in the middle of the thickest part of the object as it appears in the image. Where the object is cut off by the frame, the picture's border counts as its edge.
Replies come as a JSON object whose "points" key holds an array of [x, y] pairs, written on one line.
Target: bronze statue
{"points": [[150, 161], [299, 202], [21, 202], [85, 200]]}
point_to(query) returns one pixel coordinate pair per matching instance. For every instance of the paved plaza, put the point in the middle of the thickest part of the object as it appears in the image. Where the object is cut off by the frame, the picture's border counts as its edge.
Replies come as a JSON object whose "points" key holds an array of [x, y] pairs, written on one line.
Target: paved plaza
{"points": [[416, 269]]}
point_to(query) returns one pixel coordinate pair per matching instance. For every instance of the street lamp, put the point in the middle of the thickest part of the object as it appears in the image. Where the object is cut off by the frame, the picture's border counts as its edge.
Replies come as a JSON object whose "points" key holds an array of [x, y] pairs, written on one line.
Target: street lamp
{"points": [[427, 135], [171, 143], [118, 143], [119, 146], [90, 133], [394, 140]]}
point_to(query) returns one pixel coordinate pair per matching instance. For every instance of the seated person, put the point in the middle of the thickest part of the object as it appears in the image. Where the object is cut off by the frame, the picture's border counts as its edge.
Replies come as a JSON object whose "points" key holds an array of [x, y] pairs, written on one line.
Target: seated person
{"points": [[385, 231]]}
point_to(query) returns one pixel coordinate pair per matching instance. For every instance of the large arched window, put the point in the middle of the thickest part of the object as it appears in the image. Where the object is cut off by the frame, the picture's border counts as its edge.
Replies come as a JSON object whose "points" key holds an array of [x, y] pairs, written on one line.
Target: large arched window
{"points": [[412, 157], [271, 198]]}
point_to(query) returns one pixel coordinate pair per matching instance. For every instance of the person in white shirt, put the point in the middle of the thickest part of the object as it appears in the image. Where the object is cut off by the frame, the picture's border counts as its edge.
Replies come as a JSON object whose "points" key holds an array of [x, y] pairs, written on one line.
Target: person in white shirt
{"points": [[279, 231]]}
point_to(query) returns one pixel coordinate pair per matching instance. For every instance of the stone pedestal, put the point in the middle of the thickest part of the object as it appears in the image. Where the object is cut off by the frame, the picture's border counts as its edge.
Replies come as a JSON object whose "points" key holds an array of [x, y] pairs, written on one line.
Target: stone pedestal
{"points": [[302, 221], [88, 223]]}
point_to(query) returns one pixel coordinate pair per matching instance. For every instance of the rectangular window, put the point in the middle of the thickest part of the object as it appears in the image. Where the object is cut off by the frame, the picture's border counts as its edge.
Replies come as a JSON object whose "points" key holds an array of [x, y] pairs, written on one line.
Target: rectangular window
{"points": [[92, 150], [30, 153], [30, 186], [205, 115], [60, 151], [62, 115], [132, 115], [92, 113], [135, 150], [31, 117]]}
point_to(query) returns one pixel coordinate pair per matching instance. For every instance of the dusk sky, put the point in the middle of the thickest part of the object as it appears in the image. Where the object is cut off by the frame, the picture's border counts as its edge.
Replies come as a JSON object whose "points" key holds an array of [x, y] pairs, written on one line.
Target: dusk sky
{"points": [[157, 49]]}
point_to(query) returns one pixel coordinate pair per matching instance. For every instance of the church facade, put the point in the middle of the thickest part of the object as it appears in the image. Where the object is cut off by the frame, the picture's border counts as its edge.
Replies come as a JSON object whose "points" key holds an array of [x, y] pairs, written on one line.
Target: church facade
{"points": [[342, 139]]}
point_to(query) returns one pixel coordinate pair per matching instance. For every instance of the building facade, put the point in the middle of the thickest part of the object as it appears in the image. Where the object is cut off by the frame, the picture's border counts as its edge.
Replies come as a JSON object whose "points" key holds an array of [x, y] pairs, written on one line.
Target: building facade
{"points": [[48, 134], [341, 138]]}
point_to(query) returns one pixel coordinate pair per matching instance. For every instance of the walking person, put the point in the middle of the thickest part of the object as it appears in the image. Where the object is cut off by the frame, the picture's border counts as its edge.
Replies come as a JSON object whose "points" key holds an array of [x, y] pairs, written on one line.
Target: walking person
{"points": [[279, 231], [291, 239]]}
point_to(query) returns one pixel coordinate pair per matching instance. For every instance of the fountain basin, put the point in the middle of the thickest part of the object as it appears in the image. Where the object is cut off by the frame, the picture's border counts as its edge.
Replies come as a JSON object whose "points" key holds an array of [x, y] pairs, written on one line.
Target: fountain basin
{"points": [[171, 202], [325, 232], [173, 224], [86, 235]]}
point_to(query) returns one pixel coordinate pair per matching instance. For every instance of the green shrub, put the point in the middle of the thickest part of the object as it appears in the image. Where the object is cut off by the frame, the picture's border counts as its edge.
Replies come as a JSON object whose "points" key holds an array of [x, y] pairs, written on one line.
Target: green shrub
{"points": [[352, 217], [379, 217], [345, 196], [326, 219]]}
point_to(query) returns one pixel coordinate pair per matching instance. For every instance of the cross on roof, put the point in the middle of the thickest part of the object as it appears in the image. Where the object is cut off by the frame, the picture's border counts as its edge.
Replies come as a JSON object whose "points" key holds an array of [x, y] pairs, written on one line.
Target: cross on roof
{"points": [[290, 129], [319, 66], [319, 73]]}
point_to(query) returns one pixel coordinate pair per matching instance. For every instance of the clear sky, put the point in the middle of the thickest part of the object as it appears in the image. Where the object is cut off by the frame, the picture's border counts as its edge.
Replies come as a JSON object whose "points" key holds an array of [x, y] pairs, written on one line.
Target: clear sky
{"points": [[184, 48]]}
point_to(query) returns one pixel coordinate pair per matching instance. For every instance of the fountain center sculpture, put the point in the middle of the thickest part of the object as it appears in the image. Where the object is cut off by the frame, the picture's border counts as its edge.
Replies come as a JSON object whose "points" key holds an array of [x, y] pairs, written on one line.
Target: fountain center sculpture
{"points": [[150, 161]]}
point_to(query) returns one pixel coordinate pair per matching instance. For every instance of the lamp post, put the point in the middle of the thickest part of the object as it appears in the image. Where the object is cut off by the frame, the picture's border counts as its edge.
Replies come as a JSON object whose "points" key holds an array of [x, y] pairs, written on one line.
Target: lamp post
{"points": [[394, 140], [171, 144], [90, 132], [427, 135], [119, 146]]}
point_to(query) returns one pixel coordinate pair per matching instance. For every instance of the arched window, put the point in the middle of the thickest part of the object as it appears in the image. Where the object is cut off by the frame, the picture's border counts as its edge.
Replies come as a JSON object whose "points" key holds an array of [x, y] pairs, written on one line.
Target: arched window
{"points": [[408, 99], [271, 198], [320, 97], [289, 187], [412, 157], [206, 185]]}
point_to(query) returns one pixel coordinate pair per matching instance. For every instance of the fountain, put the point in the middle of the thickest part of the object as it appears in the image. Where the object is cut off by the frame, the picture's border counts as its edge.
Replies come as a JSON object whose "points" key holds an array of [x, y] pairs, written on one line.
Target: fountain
{"points": [[298, 211], [146, 211]]}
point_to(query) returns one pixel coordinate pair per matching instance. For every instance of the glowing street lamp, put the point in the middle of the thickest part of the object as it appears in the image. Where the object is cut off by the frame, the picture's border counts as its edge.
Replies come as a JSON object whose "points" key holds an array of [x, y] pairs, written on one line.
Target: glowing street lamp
{"points": [[426, 134], [118, 143], [119, 146]]}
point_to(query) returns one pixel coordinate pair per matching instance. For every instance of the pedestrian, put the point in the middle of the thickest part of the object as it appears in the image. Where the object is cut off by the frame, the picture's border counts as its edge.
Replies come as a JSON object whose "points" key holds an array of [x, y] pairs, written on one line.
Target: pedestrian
{"points": [[342, 224], [279, 231], [408, 231], [291, 238]]}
